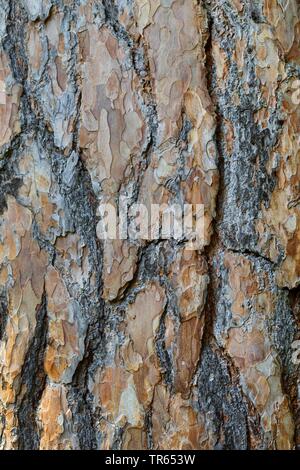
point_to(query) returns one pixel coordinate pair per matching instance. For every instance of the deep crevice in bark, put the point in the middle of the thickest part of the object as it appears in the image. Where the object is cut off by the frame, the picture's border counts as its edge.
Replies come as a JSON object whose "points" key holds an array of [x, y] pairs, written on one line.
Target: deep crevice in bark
{"points": [[33, 379]]}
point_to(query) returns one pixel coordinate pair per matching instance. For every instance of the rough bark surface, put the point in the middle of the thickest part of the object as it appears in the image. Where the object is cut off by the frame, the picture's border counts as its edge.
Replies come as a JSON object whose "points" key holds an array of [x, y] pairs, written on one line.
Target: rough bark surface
{"points": [[136, 345]]}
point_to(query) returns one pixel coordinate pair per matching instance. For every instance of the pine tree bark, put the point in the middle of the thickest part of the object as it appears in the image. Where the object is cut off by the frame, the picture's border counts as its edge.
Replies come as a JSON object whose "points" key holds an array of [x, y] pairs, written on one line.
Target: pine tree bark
{"points": [[146, 344]]}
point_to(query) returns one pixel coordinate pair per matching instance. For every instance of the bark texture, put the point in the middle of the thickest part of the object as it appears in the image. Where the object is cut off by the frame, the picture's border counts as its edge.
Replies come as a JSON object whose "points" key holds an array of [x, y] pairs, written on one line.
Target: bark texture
{"points": [[136, 345]]}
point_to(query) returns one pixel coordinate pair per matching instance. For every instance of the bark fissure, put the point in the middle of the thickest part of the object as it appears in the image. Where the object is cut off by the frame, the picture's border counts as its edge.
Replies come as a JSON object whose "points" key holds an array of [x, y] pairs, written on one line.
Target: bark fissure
{"points": [[33, 379]]}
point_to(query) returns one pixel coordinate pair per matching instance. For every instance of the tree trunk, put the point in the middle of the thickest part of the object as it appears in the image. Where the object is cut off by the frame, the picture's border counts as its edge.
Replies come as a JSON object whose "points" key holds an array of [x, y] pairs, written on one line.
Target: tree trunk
{"points": [[149, 344]]}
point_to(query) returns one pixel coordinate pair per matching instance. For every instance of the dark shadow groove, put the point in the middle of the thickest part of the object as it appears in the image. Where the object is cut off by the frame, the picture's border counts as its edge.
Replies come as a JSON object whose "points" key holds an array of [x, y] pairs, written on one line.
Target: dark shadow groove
{"points": [[33, 380]]}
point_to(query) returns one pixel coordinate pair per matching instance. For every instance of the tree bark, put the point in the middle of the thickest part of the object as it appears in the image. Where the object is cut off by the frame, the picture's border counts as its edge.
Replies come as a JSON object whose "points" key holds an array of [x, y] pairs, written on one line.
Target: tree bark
{"points": [[147, 344]]}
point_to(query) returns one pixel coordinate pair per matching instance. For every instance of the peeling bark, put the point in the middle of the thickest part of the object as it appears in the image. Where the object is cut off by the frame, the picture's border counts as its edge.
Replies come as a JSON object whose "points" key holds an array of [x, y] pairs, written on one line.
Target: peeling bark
{"points": [[136, 344]]}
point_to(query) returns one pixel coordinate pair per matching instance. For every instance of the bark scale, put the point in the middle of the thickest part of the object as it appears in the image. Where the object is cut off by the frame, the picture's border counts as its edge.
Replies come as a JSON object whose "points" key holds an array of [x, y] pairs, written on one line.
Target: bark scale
{"points": [[134, 344]]}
